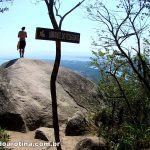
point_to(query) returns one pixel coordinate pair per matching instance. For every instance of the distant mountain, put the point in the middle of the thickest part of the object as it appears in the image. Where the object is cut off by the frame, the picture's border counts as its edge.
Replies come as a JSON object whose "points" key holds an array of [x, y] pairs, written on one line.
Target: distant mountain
{"points": [[83, 68]]}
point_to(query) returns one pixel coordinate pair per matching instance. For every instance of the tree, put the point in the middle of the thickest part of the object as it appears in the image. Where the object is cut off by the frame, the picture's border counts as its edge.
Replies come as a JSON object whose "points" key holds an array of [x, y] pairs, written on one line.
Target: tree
{"points": [[122, 57], [122, 34], [4, 8], [54, 5], [129, 22]]}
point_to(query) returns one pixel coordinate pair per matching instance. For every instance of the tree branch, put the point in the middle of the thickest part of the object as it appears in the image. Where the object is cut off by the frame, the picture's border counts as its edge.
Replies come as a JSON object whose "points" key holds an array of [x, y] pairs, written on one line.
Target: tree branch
{"points": [[49, 5], [60, 23], [57, 9], [123, 94], [124, 20]]}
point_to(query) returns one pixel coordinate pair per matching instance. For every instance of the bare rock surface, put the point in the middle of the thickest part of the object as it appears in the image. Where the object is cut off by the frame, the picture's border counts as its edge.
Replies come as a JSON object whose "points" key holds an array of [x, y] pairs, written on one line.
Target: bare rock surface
{"points": [[44, 133], [25, 100], [77, 125], [67, 142]]}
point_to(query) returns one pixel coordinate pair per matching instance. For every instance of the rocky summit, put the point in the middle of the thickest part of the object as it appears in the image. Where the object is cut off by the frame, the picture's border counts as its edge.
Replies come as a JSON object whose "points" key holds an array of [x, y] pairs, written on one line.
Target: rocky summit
{"points": [[25, 100]]}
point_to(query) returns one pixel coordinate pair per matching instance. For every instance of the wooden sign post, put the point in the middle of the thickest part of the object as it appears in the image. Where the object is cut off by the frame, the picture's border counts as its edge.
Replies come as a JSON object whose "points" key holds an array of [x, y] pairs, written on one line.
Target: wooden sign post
{"points": [[58, 36]]}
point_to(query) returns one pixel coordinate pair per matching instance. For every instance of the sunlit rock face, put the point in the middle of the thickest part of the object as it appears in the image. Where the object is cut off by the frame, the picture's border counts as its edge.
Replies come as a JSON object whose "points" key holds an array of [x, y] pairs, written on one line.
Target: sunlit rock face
{"points": [[25, 100]]}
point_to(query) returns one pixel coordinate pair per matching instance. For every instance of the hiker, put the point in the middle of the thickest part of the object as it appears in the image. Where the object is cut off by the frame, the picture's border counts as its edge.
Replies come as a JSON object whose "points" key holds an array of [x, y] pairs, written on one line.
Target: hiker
{"points": [[22, 35]]}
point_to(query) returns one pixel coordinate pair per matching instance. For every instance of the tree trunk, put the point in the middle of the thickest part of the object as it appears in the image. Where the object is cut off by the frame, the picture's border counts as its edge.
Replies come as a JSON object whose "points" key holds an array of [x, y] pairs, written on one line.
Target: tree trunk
{"points": [[53, 93]]}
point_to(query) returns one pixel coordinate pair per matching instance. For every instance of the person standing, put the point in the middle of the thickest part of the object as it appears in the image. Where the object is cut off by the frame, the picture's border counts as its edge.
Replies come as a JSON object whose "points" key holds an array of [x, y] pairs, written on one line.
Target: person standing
{"points": [[22, 35]]}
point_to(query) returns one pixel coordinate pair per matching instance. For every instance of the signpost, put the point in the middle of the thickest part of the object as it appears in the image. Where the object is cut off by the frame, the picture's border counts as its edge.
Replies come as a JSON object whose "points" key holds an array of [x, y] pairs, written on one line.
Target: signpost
{"points": [[54, 35], [58, 36]]}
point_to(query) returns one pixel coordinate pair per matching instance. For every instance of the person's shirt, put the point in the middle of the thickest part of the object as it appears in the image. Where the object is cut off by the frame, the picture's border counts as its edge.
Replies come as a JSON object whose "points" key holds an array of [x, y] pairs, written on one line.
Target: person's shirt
{"points": [[22, 35]]}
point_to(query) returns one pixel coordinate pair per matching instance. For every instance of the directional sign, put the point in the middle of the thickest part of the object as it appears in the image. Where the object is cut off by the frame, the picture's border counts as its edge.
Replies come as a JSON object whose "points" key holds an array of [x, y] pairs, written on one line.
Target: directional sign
{"points": [[51, 34]]}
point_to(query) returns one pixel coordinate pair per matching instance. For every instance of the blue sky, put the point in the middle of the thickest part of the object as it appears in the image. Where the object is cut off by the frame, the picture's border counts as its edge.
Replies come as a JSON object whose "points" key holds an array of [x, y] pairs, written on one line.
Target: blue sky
{"points": [[26, 13]]}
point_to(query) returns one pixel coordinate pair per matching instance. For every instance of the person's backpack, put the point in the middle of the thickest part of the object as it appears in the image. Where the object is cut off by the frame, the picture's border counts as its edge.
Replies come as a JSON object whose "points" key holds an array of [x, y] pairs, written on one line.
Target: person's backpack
{"points": [[18, 45]]}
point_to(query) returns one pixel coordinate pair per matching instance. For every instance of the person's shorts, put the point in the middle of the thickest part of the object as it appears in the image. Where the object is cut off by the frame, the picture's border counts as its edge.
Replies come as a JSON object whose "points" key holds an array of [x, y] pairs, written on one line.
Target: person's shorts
{"points": [[22, 44]]}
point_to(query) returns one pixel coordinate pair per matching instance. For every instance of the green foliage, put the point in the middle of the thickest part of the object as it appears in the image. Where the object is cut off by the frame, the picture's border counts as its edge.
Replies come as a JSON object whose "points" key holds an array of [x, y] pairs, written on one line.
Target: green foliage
{"points": [[124, 136], [116, 122], [120, 83], [4, 137], [124, 66], [121, 128]]}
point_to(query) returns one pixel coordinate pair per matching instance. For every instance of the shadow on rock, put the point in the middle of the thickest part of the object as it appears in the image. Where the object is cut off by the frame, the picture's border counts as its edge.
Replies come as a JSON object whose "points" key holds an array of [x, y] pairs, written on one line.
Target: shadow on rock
{"points": [[9, 63], [11, 121]]}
